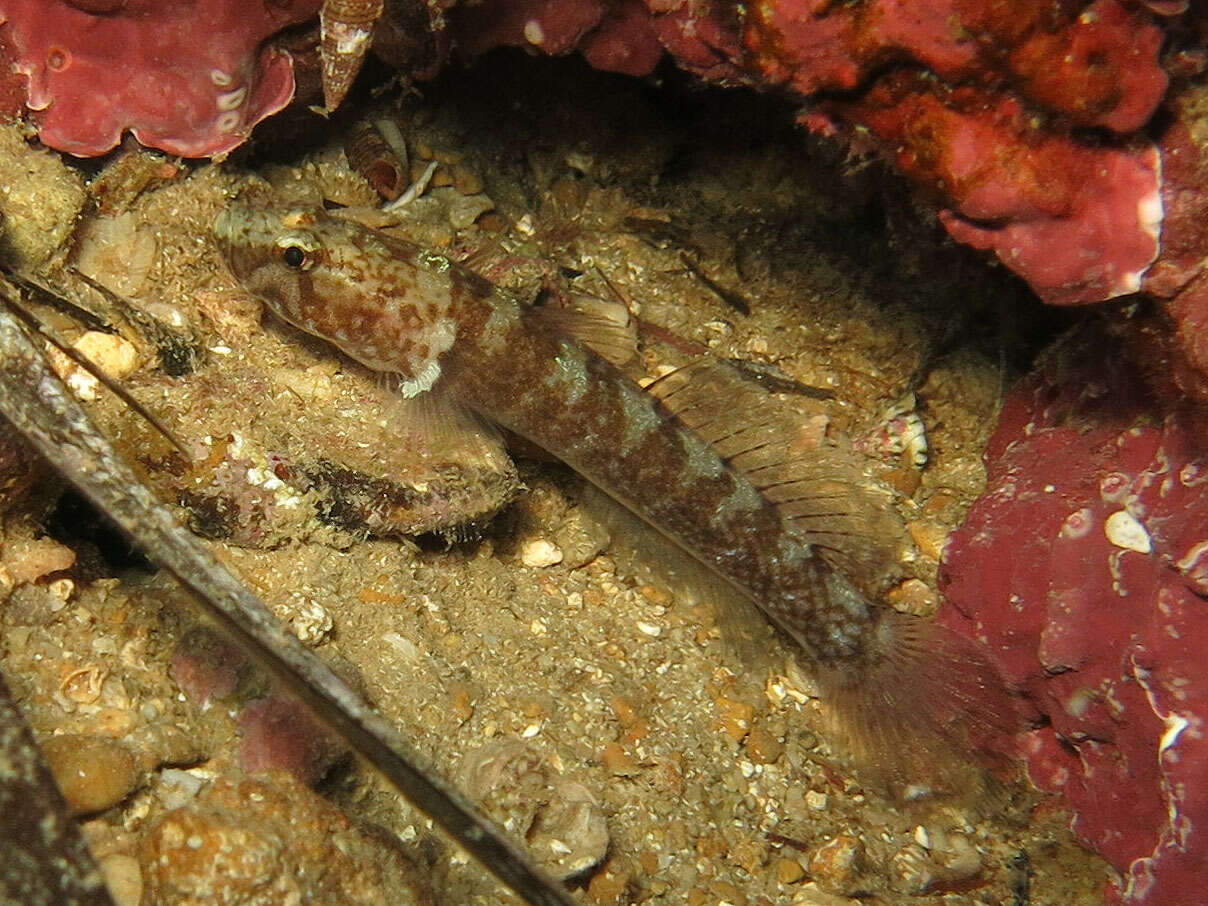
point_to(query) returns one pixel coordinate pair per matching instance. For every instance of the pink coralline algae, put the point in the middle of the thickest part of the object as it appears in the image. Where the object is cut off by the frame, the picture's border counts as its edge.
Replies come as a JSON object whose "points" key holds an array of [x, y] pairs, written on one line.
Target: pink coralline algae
{"points": [[207, 666], [282, 734], [987, 125], [191, 77], [625, 36], [1095, 65], [1080, 222], [980, 102], [279, 732], [981, 113], [1085, 568]]}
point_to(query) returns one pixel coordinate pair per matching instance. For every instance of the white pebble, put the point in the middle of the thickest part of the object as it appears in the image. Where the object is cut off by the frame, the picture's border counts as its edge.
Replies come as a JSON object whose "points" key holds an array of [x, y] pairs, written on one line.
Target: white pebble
{"points": [[110, 353], [1123, 530], [123, 877], [83, 385], [310, 621], [534, 33], [540, 553], [811, 894]]}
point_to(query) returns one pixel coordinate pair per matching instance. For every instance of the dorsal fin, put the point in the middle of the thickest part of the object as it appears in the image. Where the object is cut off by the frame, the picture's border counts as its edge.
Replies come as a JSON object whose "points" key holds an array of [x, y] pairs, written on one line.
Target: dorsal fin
{"points": [[604, 327], [819, 487]]}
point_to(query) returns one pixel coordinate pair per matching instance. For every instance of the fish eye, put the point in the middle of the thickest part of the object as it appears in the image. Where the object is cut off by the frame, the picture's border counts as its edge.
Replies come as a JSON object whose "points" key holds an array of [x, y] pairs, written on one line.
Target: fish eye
{"points": [[294, 256]]}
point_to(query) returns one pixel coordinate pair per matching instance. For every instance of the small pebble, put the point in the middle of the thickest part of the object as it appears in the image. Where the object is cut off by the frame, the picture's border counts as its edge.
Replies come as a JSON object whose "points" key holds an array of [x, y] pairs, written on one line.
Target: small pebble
{"points": [[1124, 531], [937, 858], [608, 885], [649, 860], [534, 33], [655, 595], [911, 870], [725, 892], [560, 821], [466, 181], [735, 717], [493, 223], [913, 596], [617, 761], [124, 879], [93, 772], [929, 537], [816, 800], [309, 620], [789, 871], [580, 539], [62, 589], [463, 705], [905, 479], [112, 354], [569, 193], [265, 841], [763, 747], [943, 506], [749, 854], [837, 864], [540, 554], [812, 895], [463, 210], [418, 167], [447, 156], [27, 560]]}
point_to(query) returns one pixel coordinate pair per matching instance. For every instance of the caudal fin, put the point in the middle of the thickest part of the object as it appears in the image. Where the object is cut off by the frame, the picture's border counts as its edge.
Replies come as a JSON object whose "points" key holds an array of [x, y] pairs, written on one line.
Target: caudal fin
{"points": [[926, 712]]}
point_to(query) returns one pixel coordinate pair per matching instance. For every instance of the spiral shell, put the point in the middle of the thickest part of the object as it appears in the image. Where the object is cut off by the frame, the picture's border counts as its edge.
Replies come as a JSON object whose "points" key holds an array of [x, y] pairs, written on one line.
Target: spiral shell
{"points": [[376, 150], [345, 33]]}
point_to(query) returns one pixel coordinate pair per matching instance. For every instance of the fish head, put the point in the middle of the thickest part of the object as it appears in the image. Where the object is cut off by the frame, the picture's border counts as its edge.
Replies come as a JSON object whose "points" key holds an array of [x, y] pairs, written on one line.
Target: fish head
{"points": [[281, 256], [381, 300]]}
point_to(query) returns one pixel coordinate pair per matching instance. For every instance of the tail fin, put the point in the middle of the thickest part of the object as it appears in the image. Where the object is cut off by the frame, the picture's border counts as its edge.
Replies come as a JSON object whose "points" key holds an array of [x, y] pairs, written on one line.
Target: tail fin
{"points": [[926, 712]]}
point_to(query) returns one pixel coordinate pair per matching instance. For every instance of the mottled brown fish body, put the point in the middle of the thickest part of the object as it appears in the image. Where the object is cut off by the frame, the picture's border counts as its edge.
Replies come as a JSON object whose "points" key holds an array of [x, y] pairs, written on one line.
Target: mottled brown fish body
{"points": [[396, 308], [899, 683], [548, 388]]}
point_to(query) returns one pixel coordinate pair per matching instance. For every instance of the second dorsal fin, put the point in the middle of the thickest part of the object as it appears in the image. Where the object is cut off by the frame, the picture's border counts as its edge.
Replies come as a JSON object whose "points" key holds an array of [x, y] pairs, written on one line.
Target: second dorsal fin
{"points": [[819, 487]]}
